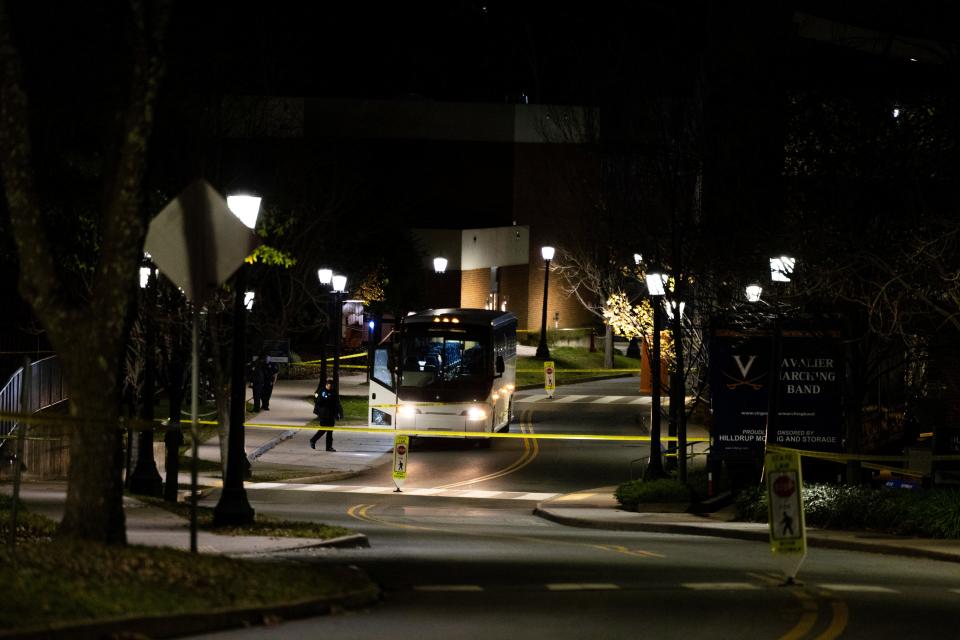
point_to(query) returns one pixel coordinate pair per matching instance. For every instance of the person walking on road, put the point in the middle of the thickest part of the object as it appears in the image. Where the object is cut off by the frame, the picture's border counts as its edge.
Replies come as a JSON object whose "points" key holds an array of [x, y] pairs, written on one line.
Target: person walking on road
{"points": [[328, 409], [264, 376]]}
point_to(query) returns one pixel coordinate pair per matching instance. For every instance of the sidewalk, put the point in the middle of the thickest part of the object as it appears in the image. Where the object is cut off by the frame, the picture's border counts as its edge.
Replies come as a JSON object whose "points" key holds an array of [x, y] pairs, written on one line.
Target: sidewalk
{"points": [[152, 526], [286, 451], [597, 509]]}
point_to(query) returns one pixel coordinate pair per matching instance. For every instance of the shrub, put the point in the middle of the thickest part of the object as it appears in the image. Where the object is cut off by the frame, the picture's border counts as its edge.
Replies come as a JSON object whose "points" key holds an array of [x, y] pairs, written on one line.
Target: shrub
{"points": [[933, 513], [751, 505], [630, 494]]}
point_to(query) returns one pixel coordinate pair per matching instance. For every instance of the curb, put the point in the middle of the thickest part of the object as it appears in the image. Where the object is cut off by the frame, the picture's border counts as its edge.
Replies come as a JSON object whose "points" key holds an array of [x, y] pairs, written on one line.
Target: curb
{"points": [[170, 626], [350, 541], [651, 527], [813, 540], [262, 449]]}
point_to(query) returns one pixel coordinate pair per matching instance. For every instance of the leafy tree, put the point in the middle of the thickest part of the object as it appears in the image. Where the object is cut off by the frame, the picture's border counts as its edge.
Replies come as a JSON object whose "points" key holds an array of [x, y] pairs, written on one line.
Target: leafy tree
{"points": [[58, 178]]}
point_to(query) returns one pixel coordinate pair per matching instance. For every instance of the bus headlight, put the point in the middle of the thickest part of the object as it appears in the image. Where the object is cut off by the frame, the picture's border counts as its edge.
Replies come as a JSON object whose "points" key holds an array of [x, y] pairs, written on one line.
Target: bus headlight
{"points": [[406, 411], [473, 413]]}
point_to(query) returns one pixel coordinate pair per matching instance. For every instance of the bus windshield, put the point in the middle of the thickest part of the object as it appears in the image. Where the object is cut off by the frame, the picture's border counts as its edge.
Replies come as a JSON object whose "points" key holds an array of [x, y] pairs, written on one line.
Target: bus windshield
{"points": [[452, 358]]}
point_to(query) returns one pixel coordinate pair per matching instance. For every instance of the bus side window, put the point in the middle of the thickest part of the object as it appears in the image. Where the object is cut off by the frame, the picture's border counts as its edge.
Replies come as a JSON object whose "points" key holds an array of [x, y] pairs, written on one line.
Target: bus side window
{"points": [[381, 368]]}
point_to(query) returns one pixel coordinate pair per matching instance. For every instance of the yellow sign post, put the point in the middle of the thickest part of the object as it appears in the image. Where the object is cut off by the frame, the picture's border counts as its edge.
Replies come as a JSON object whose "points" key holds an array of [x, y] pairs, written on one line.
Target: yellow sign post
{"points": [[549, 379], [401, 448], [788, 532]]}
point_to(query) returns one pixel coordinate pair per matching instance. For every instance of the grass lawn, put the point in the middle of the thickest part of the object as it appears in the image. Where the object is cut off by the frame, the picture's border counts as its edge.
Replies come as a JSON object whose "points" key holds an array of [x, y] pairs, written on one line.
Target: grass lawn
{"points": [[56, 583], [567, 361], [354, 408]]}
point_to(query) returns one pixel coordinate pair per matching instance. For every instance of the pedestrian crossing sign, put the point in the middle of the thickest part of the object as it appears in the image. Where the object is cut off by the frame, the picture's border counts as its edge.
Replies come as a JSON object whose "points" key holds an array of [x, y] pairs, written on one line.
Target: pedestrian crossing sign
{"points": [[788, 536], [401, 449], [549, 377]]}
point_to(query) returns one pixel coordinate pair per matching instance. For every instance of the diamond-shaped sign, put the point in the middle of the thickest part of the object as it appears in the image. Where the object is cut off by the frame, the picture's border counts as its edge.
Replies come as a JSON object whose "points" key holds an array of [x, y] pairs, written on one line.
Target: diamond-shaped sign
{"points": [[197, 242]]}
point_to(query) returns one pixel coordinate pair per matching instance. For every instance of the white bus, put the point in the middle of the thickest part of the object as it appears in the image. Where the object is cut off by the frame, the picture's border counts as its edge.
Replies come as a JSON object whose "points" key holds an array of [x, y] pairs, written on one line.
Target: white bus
{"points": [[446, 370]]}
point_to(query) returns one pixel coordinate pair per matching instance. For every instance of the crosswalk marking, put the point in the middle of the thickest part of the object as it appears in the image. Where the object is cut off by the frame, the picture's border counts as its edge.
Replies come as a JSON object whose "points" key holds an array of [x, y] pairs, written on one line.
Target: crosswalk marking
{"points": [[581, 586], [448, 587], [610, 586], [719, 586], [863, 588], [608, 399], [541, 398], [425, 491]]}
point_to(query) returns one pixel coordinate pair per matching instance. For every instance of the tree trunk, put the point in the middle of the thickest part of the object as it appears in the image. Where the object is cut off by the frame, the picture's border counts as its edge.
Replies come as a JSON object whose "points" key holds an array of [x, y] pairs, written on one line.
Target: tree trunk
{"points": [[94, 506], [608, 348]]}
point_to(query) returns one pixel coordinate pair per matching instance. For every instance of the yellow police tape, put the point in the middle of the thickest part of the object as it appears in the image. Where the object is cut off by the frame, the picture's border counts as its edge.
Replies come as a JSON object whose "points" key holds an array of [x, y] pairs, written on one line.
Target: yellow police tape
{"points": [[461, 434], [162, 424], [352, 355], [848, 457], [581, 370]]}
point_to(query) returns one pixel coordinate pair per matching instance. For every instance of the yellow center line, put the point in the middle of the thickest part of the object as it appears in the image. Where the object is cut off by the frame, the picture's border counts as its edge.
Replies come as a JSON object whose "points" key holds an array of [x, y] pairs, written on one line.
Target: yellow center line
{"points": [[841, 616], [808, 605], [530, 450], [807, 619]]}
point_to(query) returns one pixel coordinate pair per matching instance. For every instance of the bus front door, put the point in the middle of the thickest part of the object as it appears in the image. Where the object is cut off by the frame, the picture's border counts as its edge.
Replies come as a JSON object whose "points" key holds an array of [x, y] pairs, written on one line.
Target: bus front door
{"points": [[383, 390]]}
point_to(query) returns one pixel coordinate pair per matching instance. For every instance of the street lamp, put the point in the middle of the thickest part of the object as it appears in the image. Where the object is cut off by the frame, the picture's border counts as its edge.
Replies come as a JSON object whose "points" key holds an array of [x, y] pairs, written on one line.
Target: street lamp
{"points": [[543, 352], [753, 293], [655, 289], [233, 506], [781, 268], [339, 286], [678, 429], [440, 265], [145, 478], [248, 299], [325, 276]]}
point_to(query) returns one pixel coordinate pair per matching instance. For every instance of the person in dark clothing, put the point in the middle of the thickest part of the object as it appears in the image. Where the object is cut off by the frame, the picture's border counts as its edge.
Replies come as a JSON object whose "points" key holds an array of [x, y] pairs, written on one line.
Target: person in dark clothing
{"points": [[264, 376], [328, 409]]}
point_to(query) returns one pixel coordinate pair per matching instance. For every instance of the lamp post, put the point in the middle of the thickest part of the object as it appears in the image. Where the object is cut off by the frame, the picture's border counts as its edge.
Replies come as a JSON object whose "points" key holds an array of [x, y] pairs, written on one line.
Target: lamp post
{"points": [[325, 276], [678, 415], [656, 291], [440, 296], [233, 506], [145, 479], [543, 352], [339, 286]]}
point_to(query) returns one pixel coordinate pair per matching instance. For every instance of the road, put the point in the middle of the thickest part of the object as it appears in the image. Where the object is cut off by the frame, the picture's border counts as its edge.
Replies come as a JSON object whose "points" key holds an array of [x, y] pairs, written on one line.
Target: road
{"points": [[467, 559]]}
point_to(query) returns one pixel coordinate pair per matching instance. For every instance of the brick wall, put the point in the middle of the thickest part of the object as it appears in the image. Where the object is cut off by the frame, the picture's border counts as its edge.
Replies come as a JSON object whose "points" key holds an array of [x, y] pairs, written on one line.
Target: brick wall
{"points": [[572, 313], [474, 288], [514, 285]]}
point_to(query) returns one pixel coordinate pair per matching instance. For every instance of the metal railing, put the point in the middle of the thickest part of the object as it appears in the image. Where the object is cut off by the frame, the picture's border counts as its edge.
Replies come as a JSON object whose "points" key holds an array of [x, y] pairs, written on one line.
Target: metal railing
{"points": [[47, 388]]}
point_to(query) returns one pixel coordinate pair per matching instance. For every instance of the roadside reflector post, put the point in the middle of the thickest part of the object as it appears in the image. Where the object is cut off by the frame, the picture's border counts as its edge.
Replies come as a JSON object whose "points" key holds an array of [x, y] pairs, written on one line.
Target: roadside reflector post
{"points": [[788, 532], [549, 378], [401, 449]]}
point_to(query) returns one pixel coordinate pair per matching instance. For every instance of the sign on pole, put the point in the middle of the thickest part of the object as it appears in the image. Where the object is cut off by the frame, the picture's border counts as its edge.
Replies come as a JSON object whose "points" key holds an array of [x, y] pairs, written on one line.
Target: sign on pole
{"points": [[401, 448], [549, 381], [198, 243], [788, 534]]}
